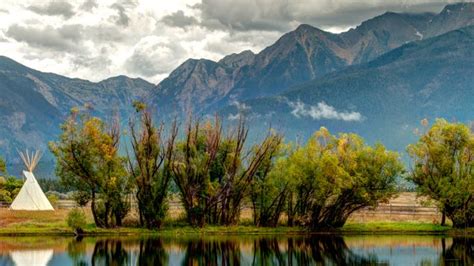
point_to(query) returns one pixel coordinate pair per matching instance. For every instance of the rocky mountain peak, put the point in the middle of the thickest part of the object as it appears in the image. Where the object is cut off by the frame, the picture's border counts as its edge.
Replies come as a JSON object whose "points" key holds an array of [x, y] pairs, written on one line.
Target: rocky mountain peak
{"points": [[238, 60], [452, 17]]}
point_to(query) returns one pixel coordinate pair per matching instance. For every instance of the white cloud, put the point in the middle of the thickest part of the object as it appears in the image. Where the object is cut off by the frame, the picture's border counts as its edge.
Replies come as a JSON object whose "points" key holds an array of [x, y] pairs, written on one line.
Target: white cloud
{"points": [[154, 55], [233, 117], [241, 107], [322, 111], [94, 39]]}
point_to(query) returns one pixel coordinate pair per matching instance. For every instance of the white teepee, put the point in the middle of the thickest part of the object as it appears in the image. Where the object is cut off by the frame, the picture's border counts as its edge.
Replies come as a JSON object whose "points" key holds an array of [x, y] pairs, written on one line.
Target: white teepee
{"points": [[31, 197]]}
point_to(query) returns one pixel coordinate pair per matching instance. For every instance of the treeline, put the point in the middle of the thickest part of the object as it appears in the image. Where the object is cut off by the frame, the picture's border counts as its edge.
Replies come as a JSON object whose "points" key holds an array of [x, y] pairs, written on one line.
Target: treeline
{"points": [[317, 185], [9, 185]]}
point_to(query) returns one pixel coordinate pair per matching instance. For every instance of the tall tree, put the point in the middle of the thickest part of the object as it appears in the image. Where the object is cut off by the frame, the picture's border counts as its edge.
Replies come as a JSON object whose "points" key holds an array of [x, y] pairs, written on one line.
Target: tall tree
{"points": [[88, 161], [443, 160], [150, 167], [270, 189]]}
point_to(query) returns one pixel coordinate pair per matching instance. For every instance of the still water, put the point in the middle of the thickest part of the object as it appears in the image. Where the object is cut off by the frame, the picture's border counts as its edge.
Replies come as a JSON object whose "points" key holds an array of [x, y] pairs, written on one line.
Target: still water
{"points": [[239, 250]]}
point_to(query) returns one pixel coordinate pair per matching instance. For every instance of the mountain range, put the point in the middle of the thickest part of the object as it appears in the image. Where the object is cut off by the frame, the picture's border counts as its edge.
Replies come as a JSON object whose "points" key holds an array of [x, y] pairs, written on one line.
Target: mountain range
{"points": [[378, 79]]}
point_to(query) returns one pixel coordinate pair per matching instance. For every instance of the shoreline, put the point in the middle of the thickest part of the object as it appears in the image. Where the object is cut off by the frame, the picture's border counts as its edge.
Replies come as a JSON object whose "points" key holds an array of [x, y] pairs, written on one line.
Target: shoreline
{"points": [[351, 229]]}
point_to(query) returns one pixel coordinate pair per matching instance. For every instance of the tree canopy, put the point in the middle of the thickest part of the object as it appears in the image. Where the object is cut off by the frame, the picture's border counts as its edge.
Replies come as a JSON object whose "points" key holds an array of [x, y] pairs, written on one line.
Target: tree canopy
{"points": [[333, 176], [443, 160], [88, 160]]}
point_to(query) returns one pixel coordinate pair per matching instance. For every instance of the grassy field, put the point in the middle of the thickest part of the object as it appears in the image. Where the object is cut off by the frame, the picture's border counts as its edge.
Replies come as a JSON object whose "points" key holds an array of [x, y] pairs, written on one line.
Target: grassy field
{"points": [[404, 214], [30, 223]]}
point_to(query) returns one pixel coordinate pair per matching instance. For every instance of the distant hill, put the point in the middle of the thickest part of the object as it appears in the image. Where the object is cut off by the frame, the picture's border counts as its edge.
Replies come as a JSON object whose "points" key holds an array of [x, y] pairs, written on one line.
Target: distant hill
{"points": [[34, 104]]}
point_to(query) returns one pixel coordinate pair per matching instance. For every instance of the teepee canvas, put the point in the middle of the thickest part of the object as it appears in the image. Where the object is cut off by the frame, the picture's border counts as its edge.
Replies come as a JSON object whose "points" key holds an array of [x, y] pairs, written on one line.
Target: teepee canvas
{"points": [[31, 197]]}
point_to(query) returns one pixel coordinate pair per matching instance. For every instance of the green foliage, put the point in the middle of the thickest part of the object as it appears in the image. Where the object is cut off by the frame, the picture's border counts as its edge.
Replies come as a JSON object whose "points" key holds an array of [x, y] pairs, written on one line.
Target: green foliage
{"points": [[150, 168], [88, 160], [53, 199], [76, 219], [9, 188], [139, 106], [3, 167], [81, 197], [443, 161], [52, 184], [5, 196], [15, 192], [269, 190], [13, 183], [331, 177]]}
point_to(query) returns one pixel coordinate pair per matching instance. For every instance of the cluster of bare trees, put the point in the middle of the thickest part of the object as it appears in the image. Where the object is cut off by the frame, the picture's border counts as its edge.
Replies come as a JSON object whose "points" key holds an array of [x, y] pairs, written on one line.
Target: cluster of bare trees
{"points": [[214, 173]]}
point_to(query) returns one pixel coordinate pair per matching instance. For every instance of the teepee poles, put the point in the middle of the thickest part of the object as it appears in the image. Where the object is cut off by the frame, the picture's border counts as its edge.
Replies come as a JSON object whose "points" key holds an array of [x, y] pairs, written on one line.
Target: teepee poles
{"points": [[30, 160]]}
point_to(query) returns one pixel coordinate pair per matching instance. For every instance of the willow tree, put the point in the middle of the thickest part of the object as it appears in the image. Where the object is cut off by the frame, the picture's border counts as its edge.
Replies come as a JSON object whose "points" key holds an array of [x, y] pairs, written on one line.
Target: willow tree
{"points": [[334, 176], [213, 172], [270, 189], [443, 169], [88, 161], [150, 168]]}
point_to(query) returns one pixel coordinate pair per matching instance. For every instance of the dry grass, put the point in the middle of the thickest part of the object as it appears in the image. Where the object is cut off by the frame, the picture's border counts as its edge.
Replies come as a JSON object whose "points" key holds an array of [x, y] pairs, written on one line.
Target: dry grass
{"points": [[406, 212], [36, 219]]}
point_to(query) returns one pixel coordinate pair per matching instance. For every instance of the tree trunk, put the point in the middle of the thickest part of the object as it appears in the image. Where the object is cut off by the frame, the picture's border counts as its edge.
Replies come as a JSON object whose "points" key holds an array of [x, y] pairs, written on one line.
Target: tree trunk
{"points": [[443, 218], [94, 210], [106, 215]]}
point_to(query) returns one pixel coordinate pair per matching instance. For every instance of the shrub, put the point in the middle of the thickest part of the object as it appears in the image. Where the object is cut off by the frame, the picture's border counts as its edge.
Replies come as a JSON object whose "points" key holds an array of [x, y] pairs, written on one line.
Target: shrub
{"points": [[14, 192], [5, 196], [53, 199], [81, 197], [76, 220]]}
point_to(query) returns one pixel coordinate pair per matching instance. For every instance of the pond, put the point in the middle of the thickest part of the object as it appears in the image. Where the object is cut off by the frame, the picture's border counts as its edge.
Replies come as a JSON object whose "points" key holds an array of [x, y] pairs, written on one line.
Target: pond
{"points": [[239, 250]]}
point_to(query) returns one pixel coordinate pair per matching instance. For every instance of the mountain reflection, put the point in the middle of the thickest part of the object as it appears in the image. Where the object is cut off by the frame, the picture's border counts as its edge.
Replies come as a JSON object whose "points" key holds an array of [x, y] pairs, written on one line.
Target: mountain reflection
{"points": [[225, 251]]}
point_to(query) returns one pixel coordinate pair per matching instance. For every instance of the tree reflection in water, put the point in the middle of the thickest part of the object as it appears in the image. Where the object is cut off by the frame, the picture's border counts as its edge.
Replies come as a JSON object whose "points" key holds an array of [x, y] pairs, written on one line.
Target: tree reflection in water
{"points": [[212, 253], [152, 252], [314, 250], [461, 252], [109, 252], [76, 250], [320, 250]]}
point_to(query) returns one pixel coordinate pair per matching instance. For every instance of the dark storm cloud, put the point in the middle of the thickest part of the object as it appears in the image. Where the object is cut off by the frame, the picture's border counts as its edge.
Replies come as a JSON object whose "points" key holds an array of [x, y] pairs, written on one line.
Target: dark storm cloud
{"points": [[245, 15], [179, 19], [62, 39], [350, 15], [54, 8], [122, 18], [282, 15]]}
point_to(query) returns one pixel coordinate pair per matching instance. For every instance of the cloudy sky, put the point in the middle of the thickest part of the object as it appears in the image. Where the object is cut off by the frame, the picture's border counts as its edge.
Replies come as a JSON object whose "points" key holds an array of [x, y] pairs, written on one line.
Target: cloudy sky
{"points": [[96, 39]]}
